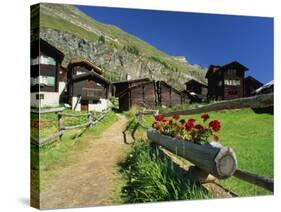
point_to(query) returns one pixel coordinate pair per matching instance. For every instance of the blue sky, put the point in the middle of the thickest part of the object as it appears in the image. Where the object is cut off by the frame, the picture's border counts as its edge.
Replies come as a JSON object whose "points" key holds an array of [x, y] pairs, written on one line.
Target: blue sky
{"points": [[203, 39]]}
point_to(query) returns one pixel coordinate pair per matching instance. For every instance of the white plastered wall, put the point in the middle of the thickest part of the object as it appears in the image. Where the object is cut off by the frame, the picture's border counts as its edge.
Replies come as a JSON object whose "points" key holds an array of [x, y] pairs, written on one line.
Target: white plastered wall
{"points": [[100, 106], [50, 99], [103, 104]]}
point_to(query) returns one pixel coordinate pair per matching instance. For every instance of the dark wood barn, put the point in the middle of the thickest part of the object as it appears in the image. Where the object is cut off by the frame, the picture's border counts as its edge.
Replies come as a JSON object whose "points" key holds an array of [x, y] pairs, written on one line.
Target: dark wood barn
{"points": [[251, 84], [167, 95], [120, 87], [86, 86], [196, 87], [185, 97], [226, 82], [197, 90], [142, 94]]}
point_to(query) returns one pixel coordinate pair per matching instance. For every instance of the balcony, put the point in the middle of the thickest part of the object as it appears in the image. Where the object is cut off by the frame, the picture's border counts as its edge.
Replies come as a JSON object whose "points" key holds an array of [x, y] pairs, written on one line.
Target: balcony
{"points": [[93, 93]]}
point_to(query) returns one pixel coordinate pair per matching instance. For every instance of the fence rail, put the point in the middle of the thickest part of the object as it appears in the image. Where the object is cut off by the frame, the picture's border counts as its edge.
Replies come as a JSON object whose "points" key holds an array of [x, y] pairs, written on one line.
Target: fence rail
{"points": [[47, 110], [254, 179], [92, 120], [259, 101]]}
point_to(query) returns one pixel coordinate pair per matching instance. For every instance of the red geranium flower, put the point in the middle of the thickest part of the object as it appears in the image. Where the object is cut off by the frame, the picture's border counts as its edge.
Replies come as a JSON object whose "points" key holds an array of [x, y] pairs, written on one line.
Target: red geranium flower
{"points": [[205, 116], [215, 125], [176, 116], [182, 121], [165, 120], [159, 117], [199, 127], [154, 124], [170, 122], [216, 138], [189, 125], [191, 120]]}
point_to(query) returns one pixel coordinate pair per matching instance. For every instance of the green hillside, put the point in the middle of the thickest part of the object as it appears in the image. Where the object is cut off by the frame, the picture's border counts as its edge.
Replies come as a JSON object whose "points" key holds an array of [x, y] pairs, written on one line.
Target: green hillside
{"points": [[69, 19]]}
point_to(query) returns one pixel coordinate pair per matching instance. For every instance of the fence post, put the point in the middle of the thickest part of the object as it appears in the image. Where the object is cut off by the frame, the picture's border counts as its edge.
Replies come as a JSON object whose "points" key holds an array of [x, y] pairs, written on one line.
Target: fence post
{"points": [[140, 115], [90, 117], [60, 123]]}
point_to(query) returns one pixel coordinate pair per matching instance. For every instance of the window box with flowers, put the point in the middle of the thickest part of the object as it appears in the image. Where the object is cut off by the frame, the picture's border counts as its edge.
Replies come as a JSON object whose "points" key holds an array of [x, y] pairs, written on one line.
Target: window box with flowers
{"points": [[198, 143]]}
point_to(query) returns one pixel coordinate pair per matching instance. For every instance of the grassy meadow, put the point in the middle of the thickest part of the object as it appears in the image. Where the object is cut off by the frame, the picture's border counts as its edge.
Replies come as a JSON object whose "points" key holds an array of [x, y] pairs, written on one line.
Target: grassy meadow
{"points": [[146, 178], [251, 136]]}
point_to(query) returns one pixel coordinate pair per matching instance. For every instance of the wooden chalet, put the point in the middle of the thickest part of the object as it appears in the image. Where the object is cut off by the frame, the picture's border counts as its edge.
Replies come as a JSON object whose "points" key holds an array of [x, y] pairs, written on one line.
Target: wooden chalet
{"points": [[251, 84], [197, 90], [167, 95], [120, 87], [150, 93], [87, 89], [196, 87], [226, 82], [141, 94], [45, 65]]}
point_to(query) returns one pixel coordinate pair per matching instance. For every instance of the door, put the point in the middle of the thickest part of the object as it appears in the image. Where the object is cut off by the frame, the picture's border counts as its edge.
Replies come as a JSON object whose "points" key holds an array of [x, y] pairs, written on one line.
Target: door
{"points": [[84, 105]]}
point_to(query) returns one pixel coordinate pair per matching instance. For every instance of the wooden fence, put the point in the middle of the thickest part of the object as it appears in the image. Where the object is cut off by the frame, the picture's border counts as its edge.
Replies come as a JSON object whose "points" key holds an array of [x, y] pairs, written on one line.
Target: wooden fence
{"points": [[217, 160], [92, 120]]}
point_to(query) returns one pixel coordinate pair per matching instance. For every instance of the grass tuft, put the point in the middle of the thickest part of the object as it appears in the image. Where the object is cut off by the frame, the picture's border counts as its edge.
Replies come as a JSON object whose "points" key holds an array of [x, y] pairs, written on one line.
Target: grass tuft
{"points": [[150, 179]]}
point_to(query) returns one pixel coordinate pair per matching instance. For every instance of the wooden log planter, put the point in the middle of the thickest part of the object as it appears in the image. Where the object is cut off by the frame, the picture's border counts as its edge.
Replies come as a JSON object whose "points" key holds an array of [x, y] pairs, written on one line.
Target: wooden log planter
{"points": [[211, 158]]}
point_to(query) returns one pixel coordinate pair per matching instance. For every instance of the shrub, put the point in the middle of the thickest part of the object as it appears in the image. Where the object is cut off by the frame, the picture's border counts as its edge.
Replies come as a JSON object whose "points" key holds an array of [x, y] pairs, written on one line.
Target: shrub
{"points": [[102, 39], [132, 49]]}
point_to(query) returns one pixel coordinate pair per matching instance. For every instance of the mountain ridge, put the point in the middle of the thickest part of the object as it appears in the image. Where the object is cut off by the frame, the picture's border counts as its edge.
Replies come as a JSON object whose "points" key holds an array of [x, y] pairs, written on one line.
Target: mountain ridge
{"points": [[119, 53]]}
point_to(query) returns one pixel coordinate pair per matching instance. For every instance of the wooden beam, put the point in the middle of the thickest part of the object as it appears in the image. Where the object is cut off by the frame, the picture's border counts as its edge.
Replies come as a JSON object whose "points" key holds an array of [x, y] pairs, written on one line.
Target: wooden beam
{"points": [[254, 179], [258, 101]]}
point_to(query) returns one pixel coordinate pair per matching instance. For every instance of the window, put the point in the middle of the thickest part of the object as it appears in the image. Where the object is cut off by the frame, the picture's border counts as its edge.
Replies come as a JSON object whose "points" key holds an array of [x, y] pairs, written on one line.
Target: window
{"points": [[47, 60], [237, 82], [43, 80], [226, 82], [39, 96], [231, 72], [232, 82], [51, 81]]}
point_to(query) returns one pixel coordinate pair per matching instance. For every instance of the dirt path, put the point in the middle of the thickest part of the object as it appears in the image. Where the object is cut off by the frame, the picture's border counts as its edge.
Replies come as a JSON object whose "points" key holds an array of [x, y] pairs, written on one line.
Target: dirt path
{"points": [[90, 180]]}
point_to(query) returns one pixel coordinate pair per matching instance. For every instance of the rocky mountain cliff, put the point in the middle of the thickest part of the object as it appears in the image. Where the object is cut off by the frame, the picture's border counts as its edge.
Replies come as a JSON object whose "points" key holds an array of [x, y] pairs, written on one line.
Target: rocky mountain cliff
{"points": [[120, 54]]}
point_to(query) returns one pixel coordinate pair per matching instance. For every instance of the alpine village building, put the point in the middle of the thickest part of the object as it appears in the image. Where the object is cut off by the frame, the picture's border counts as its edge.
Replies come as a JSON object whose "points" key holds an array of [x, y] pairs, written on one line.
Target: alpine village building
{"points": [[82, 86], [87, 89], [146, 93], [45, 69], [197, 91], [226, 82], [251, 85]]}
